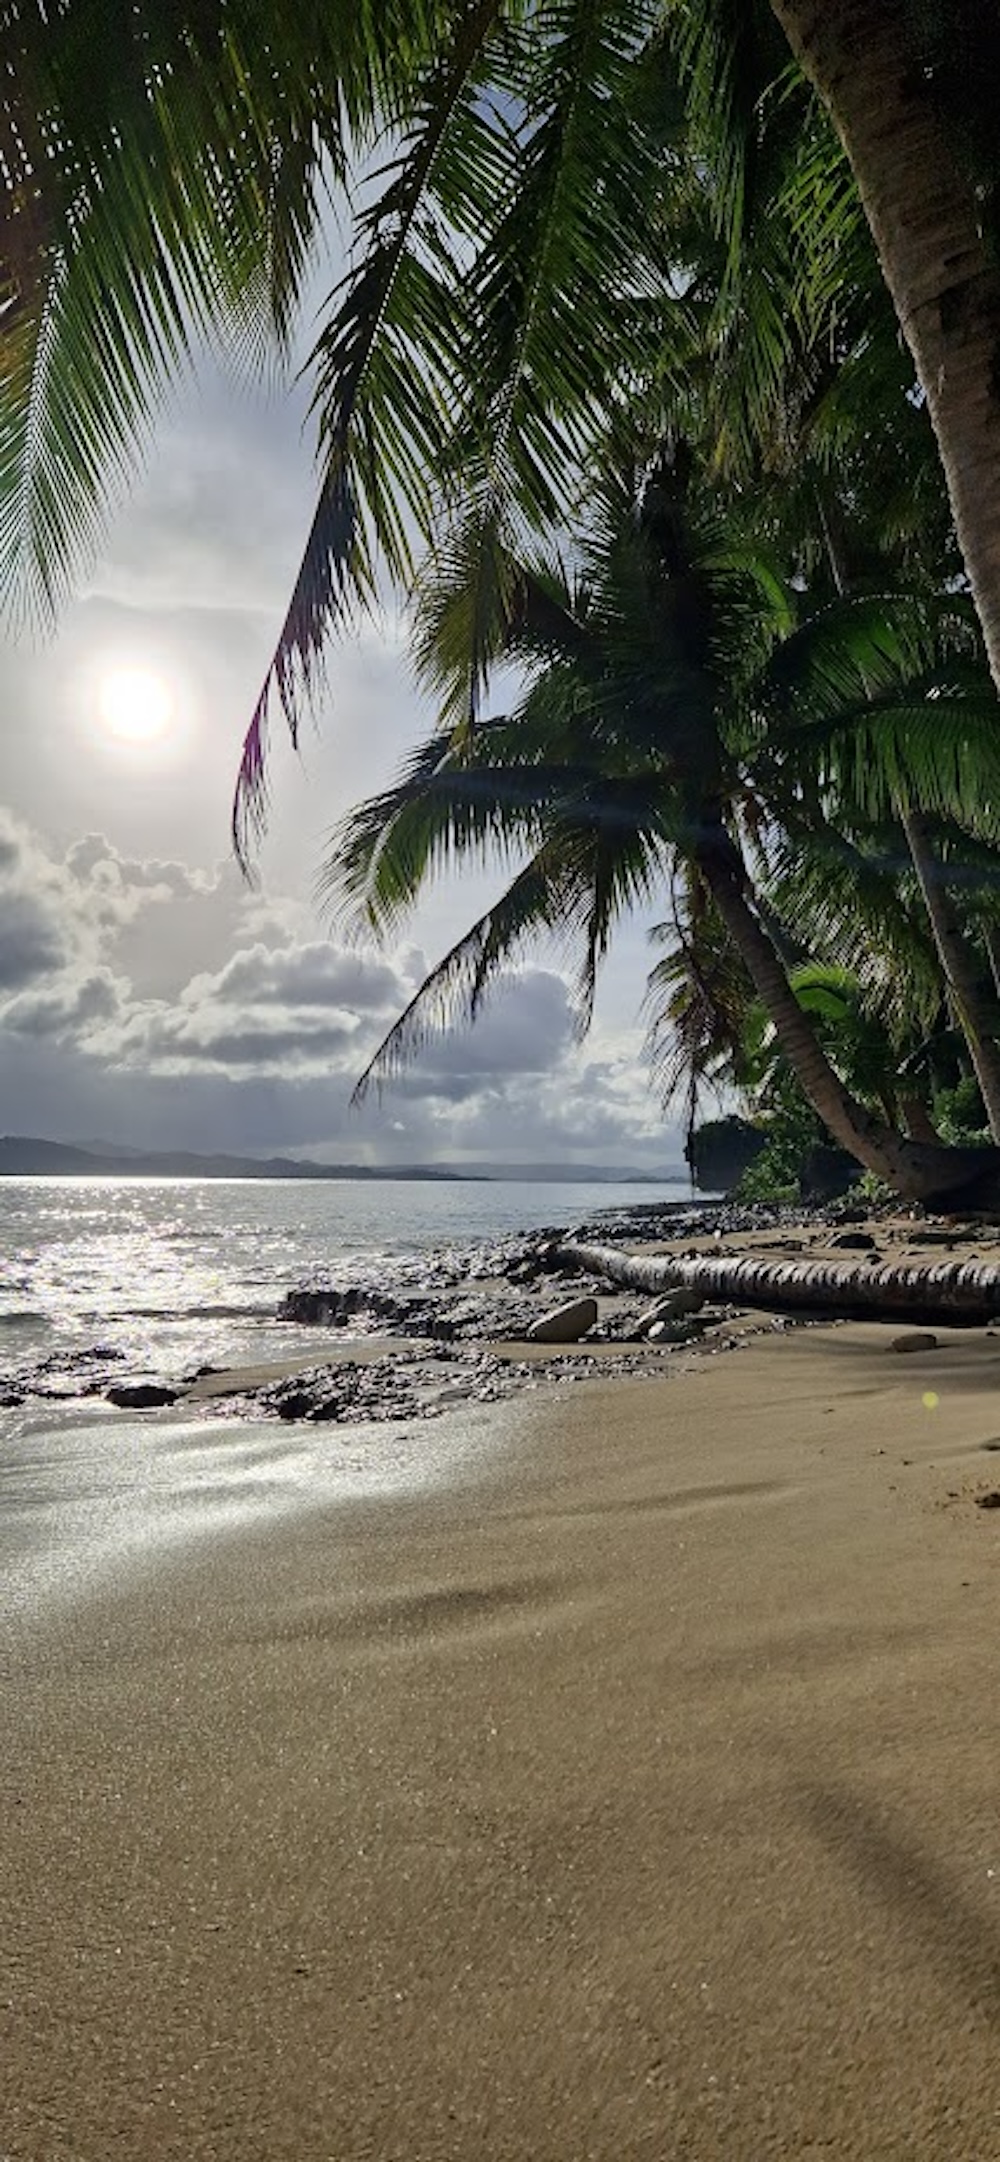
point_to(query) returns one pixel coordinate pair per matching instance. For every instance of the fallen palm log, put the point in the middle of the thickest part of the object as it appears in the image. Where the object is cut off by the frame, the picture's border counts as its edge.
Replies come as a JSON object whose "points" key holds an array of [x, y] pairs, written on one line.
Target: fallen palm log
{"points": [[960, 1292]]}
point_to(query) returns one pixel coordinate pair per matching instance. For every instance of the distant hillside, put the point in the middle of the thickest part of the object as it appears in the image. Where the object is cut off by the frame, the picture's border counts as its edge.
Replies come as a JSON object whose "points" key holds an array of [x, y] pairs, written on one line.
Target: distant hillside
{"points": [[26, 1156]]}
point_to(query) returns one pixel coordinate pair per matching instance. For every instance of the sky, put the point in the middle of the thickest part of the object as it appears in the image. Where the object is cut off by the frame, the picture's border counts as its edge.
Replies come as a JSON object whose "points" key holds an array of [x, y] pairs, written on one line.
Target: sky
{"points": [[148, 994]]}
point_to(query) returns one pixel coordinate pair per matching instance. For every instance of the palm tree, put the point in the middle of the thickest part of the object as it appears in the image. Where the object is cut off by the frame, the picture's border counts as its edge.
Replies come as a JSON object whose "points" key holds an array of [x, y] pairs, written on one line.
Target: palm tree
{"points": [[180, 185], [910, 90], [894, 770], [654, 671]]}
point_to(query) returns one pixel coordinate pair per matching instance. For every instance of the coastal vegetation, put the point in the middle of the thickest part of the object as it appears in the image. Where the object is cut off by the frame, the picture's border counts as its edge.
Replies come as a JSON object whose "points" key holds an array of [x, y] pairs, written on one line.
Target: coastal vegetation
{"points": [[615, 393]]}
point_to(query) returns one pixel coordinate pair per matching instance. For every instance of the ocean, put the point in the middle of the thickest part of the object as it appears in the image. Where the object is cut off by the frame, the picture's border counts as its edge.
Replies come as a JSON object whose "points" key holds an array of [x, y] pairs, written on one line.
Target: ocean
{"points": [[180, 1272], [170, 1275]]}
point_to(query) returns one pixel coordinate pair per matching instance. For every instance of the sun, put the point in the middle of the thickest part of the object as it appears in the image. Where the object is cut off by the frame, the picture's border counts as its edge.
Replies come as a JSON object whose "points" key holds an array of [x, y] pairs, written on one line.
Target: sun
{"points": [[135, 705]]}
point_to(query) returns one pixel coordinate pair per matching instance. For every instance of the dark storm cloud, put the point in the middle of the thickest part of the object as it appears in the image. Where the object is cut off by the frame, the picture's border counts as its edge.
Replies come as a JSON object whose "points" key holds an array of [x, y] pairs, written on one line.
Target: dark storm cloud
{"points": [[69, 1010], [32, 940], [528, 1027]]}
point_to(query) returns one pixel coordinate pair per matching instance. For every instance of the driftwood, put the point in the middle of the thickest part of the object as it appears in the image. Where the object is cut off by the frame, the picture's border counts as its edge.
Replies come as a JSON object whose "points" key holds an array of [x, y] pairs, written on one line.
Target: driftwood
{"points": [[960, 1292]]}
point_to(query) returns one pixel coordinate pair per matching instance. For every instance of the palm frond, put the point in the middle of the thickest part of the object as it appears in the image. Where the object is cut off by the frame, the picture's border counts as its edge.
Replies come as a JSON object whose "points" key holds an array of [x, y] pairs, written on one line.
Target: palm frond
{"points": [[384, 365], [452, 993], [696, 1002], [162, 173]]}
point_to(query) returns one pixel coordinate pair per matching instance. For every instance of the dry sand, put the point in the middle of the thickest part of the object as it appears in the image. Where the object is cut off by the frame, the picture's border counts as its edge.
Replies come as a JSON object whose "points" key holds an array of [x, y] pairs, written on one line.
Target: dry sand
{"points": [[636, 1799]]}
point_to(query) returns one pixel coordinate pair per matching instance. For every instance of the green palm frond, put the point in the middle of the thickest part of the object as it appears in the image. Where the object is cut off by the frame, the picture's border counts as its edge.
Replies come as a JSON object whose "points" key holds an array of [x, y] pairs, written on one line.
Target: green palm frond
{"points": [[851, 908], [443, 812], [163, 174], [384, 367], [453, 991], [939, 752], [452, 408], [696, 1002]]}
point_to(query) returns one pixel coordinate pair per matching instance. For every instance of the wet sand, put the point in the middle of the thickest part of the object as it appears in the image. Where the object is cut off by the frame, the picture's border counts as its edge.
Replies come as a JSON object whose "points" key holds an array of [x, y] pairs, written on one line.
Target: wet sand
{"points": [[636, 1796]]}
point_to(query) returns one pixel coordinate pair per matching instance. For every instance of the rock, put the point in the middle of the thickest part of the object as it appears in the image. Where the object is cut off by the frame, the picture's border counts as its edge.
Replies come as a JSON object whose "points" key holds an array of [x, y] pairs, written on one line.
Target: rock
{"points": [[564, 1324], [827, 1173], [988, 1501], [140, 1395], [860, 1242], [673, 1332], [293, 1403], [669, 1308], [915, 1340]]}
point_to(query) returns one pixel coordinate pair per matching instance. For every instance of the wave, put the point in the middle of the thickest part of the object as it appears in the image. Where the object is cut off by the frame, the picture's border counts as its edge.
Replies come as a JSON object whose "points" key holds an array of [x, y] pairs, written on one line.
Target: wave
{"points": [[23, 1317], [214, 1311]]}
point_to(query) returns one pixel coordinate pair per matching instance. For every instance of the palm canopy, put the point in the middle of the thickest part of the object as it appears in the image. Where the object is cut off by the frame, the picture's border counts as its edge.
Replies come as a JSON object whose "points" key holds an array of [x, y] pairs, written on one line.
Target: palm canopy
{"points": [[555, 208], [164, 170], [660, 673]]}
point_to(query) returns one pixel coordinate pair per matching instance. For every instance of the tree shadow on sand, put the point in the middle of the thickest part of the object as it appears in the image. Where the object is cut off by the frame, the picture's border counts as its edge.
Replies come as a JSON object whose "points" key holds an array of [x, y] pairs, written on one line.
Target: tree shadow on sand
{"points": [[961, 1942]]}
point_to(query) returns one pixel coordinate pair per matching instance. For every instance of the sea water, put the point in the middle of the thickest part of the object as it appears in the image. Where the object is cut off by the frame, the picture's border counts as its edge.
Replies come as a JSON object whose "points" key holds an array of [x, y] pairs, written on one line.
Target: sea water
{"points": [[171, 1274]]}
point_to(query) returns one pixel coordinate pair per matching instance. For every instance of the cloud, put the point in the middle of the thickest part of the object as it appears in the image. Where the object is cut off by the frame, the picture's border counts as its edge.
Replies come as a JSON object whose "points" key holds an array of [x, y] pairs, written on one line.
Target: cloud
{"points": [[125, 884], [69, 1009], [33, 943], [56, 911], [314, 974], [258, 1048], [527, 1027]]}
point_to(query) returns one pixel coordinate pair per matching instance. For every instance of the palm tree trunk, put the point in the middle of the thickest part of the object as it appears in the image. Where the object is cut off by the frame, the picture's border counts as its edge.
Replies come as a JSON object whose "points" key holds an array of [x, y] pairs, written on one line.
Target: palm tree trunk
{"points": [[924, 217], [958, 963], [919, 1123], [916, 1170], [949, 1291], [991, 936]]}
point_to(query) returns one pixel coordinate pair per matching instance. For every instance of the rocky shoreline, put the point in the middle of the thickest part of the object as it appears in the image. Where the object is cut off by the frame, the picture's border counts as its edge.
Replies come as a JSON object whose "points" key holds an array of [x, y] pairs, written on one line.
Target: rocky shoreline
{"points": [[426, 1333]]}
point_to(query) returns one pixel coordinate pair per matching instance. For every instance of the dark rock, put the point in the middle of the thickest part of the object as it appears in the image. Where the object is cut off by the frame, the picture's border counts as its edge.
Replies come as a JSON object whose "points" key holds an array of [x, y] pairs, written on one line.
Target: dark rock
{"points": [[860, 1242], [675, 1332], [293, 1404], [140, 1395], [827, 1173], [915, 1340]]}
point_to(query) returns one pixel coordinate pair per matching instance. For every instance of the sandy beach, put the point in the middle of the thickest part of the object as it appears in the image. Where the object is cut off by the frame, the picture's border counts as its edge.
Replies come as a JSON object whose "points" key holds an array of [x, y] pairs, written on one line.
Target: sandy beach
{"points": [[633, 1796]]}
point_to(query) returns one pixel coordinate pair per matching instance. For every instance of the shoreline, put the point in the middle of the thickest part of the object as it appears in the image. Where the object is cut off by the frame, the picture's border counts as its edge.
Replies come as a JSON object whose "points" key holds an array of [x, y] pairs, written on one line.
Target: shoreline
{"points": [[631, 1795], [404, 1337]]}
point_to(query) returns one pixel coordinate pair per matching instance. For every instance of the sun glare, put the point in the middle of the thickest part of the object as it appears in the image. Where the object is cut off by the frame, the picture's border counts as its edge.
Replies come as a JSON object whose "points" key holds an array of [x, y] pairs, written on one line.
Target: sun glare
{"points": [[134, 705]]}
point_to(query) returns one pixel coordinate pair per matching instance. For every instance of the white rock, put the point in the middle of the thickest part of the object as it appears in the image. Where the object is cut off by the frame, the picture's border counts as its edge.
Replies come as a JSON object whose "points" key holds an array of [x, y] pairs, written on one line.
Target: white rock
{"points": [[672, 1304], [564, 1324]]}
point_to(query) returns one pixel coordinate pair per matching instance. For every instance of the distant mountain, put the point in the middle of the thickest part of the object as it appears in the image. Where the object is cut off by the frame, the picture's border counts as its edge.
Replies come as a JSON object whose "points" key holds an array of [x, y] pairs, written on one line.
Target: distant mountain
{"points": [[580, 1174], [27, 1156]]}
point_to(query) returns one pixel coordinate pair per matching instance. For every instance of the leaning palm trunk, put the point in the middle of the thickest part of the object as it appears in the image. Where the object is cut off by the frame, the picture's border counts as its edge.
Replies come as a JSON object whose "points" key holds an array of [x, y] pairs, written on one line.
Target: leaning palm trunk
{"points": [[917, 1170], [925, 219], [950, 1291], [958, 964], [991, 940]]}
